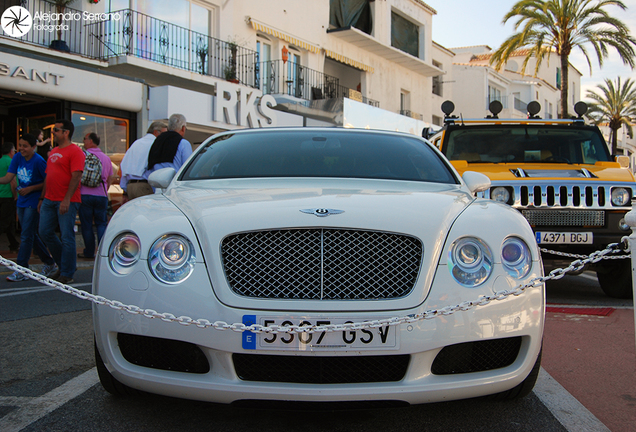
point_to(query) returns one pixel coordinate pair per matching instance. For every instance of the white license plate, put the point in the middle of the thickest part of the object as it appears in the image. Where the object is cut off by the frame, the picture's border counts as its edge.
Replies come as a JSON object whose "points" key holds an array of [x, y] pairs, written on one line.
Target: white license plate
{"points": [[565, 237], [367, 339]]}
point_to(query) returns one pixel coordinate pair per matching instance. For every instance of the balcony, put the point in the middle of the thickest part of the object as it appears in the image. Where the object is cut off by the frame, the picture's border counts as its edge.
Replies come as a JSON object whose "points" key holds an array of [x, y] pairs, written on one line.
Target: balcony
{"points": [[291, 79], [145, 37]]}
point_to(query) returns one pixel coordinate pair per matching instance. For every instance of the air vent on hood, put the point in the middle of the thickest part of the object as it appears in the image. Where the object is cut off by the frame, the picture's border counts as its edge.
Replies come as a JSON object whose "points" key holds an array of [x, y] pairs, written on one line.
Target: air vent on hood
{"points": [[573, 173]]}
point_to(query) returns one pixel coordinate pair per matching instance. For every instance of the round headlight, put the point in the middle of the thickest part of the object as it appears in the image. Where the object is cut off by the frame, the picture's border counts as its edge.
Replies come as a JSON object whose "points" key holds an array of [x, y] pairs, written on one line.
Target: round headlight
{"points": [[500, 194], [516, 257], [124, 252], [620, 196], [470, 261], [171, 258]]}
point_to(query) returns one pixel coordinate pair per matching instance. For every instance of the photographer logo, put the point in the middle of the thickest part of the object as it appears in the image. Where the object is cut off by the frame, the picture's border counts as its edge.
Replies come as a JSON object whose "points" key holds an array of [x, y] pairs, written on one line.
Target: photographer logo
{"points": [[16, 21]]}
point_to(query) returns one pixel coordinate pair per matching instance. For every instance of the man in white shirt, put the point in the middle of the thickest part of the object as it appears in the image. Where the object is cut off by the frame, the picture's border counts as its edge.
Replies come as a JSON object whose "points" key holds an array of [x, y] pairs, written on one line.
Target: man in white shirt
{"points": [[134, 165]]}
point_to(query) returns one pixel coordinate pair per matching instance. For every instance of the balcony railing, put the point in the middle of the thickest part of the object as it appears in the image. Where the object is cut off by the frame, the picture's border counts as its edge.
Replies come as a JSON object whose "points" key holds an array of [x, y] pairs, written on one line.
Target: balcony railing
{"points": [[412, 114], [139, 35], [278, 77]]}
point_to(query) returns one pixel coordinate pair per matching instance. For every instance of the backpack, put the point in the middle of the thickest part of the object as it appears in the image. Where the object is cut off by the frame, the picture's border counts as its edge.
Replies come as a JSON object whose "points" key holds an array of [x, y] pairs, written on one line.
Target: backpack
{"points": [[92, 175]]}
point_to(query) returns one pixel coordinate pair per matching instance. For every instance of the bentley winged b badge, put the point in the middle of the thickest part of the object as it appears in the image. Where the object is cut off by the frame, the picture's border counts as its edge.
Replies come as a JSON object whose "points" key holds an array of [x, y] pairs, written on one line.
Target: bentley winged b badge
{"points": [[322, 212]]}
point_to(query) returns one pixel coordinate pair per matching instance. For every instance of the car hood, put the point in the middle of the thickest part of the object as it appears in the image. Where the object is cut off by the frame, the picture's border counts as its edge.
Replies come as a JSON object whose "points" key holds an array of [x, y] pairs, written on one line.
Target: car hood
{"points": [[218, 208]]}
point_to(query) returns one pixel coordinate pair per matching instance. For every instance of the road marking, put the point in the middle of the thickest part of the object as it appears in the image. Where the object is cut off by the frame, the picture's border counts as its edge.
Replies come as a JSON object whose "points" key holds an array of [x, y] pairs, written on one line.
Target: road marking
{"points": [[35, 289], [566, 408], [33, 409]]}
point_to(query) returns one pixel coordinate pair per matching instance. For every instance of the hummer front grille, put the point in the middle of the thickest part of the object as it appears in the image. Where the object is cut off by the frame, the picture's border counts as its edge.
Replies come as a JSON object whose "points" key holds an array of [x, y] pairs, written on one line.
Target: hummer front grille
{"points": [[565, 195]]}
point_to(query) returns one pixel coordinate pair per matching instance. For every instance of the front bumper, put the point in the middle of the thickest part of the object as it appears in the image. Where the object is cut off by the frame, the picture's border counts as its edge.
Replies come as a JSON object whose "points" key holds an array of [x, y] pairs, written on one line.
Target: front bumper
{"points": [[222, 377]]}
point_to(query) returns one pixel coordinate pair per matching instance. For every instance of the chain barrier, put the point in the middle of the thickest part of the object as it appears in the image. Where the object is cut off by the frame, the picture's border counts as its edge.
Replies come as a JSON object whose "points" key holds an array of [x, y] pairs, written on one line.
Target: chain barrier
{"points": [[483, 300]]}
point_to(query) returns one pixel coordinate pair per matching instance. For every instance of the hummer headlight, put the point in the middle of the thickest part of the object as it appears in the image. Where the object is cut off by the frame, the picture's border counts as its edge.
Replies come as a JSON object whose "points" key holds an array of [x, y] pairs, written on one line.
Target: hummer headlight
{"points": [[500, 194]]}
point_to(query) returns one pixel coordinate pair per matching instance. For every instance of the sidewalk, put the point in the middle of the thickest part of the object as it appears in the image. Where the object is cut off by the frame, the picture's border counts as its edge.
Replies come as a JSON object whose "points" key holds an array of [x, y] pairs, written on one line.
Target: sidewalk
{"points": [[34, 263], [594, 358]]}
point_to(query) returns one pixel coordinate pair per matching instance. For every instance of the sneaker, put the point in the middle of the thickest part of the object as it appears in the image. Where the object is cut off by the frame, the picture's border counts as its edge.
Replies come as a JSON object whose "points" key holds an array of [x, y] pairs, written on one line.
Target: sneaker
{"points": [[16, 277], [65, 280], [49, 270]]}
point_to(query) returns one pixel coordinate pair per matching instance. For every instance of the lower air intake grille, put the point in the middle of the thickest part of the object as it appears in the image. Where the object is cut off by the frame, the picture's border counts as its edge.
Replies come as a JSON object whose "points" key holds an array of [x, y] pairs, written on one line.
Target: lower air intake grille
{"points": [[164, 354], [476, 356], [320, 370], [321, 264], [572, 218]]}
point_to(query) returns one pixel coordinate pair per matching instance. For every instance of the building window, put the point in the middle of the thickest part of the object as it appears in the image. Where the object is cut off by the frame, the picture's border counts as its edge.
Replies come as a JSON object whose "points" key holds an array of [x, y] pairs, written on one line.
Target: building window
{"points": [[351, 13], [112, 131], [437, 80], [265, 71], [295, 76], [405, 35], [494, 94], [558, 78], [405, 102], [438, 121]]}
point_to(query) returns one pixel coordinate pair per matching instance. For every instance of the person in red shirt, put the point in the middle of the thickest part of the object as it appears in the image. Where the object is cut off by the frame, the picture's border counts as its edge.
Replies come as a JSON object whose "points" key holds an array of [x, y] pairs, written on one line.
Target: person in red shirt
{"points": [[61, 199]]}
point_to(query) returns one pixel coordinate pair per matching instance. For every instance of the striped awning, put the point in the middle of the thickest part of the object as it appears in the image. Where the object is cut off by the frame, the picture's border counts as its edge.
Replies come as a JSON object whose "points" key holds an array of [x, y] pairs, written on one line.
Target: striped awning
{"points": [[346, 60], [259, 26]]}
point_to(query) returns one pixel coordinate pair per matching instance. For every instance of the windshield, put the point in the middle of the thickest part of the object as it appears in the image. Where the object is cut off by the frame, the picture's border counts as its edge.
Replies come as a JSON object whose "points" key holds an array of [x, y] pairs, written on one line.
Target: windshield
{"points": [[311, 153], [526, 144]]}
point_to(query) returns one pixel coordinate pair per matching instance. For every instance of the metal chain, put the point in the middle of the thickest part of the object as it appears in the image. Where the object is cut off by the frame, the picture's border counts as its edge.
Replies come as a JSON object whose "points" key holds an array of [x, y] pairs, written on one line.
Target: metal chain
{"points": [[624, 244], [257, 328]]}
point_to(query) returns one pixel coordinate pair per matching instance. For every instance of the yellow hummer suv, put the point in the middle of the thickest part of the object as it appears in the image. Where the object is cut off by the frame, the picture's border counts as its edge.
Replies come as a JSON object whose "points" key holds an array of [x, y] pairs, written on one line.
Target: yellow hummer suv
{"points": [[559, 174]]}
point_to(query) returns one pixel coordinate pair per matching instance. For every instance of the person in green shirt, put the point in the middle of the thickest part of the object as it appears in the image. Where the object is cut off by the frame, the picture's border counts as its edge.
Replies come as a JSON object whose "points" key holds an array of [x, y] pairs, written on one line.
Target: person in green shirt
{"points": [[7, 198]]}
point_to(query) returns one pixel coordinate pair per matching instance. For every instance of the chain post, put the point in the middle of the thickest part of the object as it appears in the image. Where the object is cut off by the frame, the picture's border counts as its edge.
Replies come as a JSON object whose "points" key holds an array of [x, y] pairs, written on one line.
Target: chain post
{"points": [[630, 219]]}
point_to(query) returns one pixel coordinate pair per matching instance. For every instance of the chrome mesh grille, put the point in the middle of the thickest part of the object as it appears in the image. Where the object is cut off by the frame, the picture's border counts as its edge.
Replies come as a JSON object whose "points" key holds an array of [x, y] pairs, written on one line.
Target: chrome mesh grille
{"points": [[321, 264], [571, 218]]}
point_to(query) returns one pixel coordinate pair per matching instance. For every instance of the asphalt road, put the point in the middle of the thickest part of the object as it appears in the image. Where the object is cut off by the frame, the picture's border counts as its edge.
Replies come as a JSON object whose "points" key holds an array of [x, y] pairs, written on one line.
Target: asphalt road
{"points": [[48, 382]]}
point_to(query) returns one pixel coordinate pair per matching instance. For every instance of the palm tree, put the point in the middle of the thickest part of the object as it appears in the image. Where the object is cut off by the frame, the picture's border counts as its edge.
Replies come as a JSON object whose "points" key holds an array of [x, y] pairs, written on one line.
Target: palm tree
{"points": [[544, 26], [616, 105]]}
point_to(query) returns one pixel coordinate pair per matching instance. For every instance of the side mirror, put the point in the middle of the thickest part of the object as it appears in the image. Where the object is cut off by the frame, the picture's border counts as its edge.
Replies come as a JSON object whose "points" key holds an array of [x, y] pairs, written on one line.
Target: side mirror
{"points": [[476, 182], [623, 161], [161, 178]]}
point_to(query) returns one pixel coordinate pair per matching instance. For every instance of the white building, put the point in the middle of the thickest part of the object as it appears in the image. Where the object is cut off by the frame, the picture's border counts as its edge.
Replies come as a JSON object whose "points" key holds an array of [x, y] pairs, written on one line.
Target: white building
{"points": [[115, 66], [476, 84]]}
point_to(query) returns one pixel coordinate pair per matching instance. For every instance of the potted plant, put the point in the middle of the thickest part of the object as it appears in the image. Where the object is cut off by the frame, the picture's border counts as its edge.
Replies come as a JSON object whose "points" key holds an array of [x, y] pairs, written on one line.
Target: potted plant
{"points": [[202, 52], [230, 69], [59, 44]]}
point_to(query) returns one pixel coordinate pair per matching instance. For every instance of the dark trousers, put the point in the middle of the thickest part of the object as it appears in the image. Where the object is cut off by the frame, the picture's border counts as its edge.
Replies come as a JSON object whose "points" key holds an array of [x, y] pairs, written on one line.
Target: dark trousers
{"points": [[93, 208], [7, 221]]}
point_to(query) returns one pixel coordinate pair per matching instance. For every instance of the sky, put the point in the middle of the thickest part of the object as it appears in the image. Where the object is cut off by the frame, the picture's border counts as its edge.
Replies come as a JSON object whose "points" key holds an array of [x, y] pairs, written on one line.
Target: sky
{"points": [[461, 23]]}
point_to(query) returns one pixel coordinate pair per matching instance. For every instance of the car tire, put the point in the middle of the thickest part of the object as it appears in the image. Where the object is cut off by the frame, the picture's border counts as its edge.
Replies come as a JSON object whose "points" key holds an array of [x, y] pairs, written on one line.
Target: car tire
{"points": [[525, 387], [110, 384], [615, 279]]}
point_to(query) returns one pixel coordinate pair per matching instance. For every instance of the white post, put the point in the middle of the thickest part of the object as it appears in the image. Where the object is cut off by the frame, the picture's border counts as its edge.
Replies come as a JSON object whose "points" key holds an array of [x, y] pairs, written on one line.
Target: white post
{"points": [[630, 218]]}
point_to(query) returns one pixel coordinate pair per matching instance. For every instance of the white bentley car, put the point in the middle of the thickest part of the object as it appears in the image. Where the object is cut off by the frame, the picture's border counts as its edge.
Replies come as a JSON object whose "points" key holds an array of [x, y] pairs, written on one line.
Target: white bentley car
{"points": [[319, 264]]}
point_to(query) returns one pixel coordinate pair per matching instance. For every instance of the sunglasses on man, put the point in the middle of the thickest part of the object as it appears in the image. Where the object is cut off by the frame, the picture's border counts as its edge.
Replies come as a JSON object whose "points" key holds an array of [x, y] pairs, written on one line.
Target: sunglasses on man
{"points": [[55, 129]]}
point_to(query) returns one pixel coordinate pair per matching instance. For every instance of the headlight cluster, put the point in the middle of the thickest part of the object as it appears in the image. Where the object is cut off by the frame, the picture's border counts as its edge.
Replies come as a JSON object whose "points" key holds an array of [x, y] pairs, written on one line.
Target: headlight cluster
{"points": [[171, 258], [471, 260], [620, 196], [124, 252]]}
